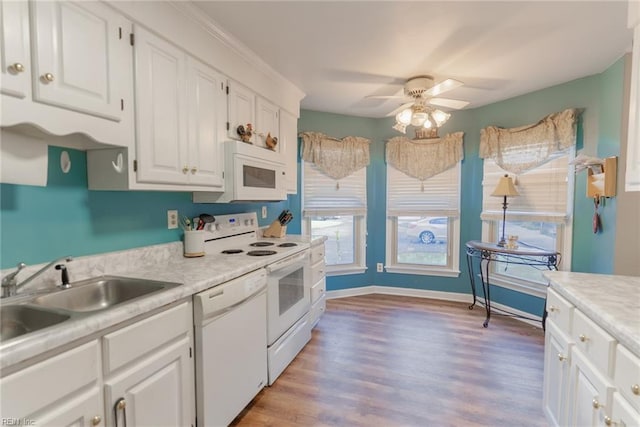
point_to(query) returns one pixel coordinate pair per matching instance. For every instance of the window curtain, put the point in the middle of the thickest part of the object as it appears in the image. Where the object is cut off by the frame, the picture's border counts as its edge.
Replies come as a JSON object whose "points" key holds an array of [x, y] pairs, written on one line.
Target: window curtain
{"points": [[520, 149], [424, 158], [337, 158]]}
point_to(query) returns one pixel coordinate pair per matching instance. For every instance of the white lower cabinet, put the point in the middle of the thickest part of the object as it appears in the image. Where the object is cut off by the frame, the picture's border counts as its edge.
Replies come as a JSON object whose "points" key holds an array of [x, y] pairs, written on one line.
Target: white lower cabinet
{"points": [[590, 379], [62, 390], [154, 392], [556, 375], [140, 375], [318, 289]]}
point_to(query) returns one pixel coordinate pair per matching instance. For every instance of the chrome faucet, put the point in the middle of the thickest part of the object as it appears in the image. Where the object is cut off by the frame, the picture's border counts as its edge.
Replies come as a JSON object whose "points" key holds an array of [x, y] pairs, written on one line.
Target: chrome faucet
{"points": [[10, 286]]}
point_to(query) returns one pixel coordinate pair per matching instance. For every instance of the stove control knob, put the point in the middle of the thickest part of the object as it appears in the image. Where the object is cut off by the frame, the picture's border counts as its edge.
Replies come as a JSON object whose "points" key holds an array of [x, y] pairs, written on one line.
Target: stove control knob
{"points": [[217, 227], [246, 222]]}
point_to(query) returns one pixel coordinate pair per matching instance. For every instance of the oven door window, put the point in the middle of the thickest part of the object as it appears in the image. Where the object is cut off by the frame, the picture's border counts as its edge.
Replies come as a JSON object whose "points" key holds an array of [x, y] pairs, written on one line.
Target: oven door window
{"points": [[290, 290], [258, 177]]}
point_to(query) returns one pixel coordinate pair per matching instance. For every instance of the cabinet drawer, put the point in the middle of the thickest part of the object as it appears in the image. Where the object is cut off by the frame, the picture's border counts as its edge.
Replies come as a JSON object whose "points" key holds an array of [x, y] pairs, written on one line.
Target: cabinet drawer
{"points": [[42, 384], [127, 344], [317, 272], [594, 342], [560, 311], [626, 376], [316, 311], [317, 254], [318, 290], [622, 414]]}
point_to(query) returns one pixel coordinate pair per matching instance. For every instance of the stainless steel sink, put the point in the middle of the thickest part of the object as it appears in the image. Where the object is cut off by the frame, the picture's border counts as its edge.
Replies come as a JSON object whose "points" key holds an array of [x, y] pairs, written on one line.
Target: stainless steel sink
{"points": [[17, 320], [100, 293]]}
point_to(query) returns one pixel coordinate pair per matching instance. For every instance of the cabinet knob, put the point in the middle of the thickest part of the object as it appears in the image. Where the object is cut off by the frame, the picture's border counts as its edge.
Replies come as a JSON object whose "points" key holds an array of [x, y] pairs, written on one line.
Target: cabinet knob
{"points": [[635, 389], [185, 169], [194, 170], [582, 338], [607, 421], [48, 77], [17, 67], [121, 404], [595, 404], [552, 309], [562, 357], [96, 420]]}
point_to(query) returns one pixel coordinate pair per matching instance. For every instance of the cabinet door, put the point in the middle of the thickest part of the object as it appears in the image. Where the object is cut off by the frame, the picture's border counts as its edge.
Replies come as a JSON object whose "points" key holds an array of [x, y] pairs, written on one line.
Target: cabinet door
{"points": [[161, 128], [241, 107], [156, 392], [14, 49], [288, 142], [80, 53], [83, 411], [207, 116], [622, 413], [590, 392], [556, 375], [267, 122]]}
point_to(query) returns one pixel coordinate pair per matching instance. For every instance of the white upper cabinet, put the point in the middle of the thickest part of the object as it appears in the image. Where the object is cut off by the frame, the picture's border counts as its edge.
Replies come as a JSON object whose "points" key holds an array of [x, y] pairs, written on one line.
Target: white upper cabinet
{"points": [[161, 116], [180, 118], [207, 117], [79, 50], [14, 49], [67, 68], [288, 142], [241, 107], [267, 121]]}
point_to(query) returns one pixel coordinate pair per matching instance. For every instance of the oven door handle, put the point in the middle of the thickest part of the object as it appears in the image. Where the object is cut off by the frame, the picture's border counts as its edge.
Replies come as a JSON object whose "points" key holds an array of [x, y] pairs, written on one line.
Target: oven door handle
{"points": [[293, 259]]}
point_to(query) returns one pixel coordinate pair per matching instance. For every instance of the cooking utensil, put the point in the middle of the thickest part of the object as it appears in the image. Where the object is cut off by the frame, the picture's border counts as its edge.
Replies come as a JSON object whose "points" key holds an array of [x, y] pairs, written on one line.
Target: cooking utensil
{"points": [[204, 219], [597, 223], [185, 223]]}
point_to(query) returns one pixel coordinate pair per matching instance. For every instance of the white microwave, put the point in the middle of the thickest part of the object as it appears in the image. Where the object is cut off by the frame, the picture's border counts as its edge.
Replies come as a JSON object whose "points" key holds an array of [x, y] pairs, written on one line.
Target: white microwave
{"points": [[252, 173]]}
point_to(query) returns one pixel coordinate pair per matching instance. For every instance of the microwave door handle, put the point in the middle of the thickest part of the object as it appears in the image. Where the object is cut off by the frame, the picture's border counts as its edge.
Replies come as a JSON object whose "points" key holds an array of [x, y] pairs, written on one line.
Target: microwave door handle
{"points": [[286, 262]]}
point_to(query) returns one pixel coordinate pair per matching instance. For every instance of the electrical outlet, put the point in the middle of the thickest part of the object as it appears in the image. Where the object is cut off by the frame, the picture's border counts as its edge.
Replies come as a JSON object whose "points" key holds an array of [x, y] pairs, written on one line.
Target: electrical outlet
{"points": [[380, 267], [264, 212], [172, 219]]}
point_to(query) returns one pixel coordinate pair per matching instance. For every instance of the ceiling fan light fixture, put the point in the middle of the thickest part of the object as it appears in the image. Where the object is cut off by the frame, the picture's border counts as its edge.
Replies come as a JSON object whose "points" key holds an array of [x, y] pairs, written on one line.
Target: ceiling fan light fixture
{"points": [[404, 116], [427, 124], [440, 117], [418, 118]]}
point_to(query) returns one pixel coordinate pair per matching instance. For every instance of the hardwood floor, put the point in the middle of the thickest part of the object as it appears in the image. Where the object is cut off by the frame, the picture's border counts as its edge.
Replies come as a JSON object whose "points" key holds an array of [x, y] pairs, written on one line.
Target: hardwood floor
{"points": [[380, 360]]}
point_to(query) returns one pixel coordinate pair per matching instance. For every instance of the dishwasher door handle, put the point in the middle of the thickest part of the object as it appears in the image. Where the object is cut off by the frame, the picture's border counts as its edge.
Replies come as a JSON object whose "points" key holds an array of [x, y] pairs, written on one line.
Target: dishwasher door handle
{"points": [[209, 317]]}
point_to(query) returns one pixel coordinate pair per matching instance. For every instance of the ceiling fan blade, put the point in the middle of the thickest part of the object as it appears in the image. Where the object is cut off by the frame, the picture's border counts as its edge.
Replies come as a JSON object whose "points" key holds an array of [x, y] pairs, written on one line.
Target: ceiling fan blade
{"points": [[400, 108], [449, 103], [385, 97], [442, 87]]}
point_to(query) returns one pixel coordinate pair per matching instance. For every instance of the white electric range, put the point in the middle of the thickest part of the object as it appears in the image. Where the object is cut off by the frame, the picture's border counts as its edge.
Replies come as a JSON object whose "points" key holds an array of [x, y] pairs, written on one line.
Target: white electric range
{"points": [[236, 352]]}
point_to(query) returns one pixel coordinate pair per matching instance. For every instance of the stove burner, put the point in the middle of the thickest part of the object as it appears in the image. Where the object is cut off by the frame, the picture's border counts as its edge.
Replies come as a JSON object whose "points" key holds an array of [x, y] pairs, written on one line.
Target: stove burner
{"points": [[258, 244], [232, 251], [261, 253], [287, 245]]}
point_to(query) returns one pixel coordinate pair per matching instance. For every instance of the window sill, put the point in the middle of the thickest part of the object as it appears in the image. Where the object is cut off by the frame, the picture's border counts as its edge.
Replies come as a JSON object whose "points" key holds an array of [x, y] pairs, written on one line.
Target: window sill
{"points": [[343, 271], [423, 271]]}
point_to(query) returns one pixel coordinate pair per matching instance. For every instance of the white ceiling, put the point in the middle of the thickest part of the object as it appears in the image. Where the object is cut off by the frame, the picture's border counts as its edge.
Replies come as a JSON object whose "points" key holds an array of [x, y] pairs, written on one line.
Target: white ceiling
{"points": [[339, 52]]}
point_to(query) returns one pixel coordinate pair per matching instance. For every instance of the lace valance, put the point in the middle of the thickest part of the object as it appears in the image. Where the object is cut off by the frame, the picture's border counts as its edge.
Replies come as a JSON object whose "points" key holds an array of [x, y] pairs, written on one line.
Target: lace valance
{"points": [[337, 158], [523, 148], [424, 158]]}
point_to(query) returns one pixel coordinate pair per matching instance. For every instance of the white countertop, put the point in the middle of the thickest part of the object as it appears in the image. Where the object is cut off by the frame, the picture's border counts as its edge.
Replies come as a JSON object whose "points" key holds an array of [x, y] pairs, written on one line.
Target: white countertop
{"points": [[612, 302], [161, 262]]}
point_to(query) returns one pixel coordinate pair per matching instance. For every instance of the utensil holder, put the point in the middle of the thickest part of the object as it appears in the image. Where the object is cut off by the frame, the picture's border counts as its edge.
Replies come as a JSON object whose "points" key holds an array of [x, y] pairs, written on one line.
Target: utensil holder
{"points": [[275, 230], [193, 243]]}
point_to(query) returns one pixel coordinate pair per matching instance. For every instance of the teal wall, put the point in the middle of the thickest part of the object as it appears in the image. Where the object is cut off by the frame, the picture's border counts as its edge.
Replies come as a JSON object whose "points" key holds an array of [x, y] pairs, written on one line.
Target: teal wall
{"points": [[38, 224], [600, 97]]}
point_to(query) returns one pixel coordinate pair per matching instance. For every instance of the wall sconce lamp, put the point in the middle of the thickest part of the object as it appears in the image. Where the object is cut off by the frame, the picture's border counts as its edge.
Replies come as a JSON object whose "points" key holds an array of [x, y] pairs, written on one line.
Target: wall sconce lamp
{"points": [[505, 188]]}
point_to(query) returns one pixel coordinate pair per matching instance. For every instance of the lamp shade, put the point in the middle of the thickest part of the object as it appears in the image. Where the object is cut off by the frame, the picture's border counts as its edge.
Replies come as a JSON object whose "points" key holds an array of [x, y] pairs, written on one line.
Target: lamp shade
{"points": [[505, 187]]}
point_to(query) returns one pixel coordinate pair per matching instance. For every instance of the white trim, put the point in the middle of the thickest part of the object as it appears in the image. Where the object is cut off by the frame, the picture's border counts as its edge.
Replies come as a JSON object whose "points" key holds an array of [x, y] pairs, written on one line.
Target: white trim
{"points": [[437, 295], [345, 270], [422, 271]]}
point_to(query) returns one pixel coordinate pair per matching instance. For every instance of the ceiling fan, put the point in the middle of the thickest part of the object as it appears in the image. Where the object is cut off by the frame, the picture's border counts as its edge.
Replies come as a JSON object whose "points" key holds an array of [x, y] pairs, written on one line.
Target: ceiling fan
{"points": [[421, 93]]}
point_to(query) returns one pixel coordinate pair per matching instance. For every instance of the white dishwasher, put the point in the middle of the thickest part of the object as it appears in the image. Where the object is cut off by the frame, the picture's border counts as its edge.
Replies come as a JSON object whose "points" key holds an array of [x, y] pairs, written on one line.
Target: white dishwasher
{"points": [[231, 347]]}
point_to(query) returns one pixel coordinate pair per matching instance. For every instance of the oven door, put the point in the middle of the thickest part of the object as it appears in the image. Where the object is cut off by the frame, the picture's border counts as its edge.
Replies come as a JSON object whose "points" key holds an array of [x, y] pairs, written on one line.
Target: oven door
{"points": [[255, 179], [288, 288]]}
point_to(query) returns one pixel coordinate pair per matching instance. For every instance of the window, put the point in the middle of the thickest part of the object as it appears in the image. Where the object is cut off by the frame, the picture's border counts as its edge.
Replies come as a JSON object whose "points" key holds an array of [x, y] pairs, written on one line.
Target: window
{"points": [[337, 209], [423, 230], [540, 216]]}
